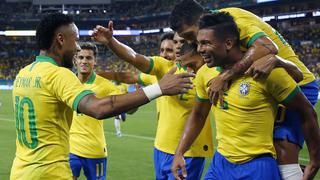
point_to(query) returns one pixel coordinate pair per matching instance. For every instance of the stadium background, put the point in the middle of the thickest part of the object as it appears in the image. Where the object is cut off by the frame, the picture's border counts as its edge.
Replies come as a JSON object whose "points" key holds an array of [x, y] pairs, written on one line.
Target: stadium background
{"points": [[141, 22]]}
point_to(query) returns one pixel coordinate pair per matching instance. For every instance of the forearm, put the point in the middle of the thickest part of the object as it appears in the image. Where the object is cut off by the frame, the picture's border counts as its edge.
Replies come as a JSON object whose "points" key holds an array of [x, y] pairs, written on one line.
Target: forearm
{"points": [[291, 68], [260, 48], [311, 133], [126, 53], [111, 105], [192, 129]]}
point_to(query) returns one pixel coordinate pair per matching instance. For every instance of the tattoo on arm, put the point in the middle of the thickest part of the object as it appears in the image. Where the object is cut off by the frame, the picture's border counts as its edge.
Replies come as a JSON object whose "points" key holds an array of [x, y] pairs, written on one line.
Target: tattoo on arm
{"points": [[268, 46], [112, 101]]}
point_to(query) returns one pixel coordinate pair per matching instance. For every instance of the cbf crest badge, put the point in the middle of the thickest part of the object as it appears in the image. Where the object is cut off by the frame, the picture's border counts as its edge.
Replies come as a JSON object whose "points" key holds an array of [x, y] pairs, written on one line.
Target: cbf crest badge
{"points": [[244, 88]]}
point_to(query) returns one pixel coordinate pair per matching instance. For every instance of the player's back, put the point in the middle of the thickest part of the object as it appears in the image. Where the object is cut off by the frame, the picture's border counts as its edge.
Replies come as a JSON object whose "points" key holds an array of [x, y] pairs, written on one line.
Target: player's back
{"points": [[43, 116], [252, 27]]}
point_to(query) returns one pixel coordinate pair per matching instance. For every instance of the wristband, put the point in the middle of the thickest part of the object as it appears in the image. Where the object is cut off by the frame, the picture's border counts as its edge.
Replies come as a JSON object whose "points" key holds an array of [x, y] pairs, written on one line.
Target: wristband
{"points": [[152, 92]]}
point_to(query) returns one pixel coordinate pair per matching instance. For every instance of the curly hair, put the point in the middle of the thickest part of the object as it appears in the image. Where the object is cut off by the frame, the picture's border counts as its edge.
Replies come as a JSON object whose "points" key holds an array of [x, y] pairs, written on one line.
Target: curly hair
{"points": [[47, 27]]}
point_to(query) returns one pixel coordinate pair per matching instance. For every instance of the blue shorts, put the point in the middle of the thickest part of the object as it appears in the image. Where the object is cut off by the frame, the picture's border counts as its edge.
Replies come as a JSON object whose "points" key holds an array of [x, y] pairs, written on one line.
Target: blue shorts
{"points": [[94, 168], [163, 162], [264, 167], [291, 128]]}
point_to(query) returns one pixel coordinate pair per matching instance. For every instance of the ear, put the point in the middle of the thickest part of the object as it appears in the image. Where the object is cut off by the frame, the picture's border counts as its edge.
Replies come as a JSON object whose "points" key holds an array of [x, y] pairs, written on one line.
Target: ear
{"points": [[60, 39], [229, 43]]}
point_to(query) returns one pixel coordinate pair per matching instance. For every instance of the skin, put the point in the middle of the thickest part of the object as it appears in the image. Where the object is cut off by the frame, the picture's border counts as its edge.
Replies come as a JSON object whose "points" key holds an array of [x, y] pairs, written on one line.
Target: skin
{"points": [[214, 52], [85, 62], [63, 49], [178, 42], [167, 51]]}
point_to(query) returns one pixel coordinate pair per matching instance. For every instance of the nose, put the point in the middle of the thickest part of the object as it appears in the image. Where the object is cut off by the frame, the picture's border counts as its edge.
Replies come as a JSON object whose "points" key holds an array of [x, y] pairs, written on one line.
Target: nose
{"points": [[200, 48]]}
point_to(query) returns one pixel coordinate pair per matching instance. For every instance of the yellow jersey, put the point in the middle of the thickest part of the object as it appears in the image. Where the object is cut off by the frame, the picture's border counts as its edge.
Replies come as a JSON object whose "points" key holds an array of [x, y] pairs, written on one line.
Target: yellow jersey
{"points": [[44, 95], [176, 112], [146, 79], [86, 133], [244, 123], [252, 27]]}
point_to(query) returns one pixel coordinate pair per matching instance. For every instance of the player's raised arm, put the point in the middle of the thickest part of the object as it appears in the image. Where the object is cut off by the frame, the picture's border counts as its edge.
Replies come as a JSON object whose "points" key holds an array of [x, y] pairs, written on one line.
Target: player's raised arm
{"points": [[105, 36], [124, 77], [192, 129], [311, 132], [170, 84]]}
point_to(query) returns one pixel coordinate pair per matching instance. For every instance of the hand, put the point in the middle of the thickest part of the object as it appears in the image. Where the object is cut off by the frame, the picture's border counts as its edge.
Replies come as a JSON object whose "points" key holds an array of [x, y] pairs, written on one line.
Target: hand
{"points": [[179, 164], [217, 87], [262, 67], [311, 170], [103, 35], [173, 84]]}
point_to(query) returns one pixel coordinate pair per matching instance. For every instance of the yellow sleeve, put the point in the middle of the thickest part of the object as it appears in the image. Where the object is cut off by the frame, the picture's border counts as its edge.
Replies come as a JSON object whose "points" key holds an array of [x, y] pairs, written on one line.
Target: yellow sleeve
{"points": [[249, 34], [111, 89], [67, 87], [146, 79], [201, 86], [281, 86], [159, 66]]}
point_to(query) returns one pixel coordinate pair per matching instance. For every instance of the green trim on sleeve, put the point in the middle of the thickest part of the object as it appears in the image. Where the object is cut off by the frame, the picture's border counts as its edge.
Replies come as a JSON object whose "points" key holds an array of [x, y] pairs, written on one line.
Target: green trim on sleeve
{"points": [[79, 97], [199, 99], [291, 95], [254, 38], [140, 80], [214, 11], [151, 65]]}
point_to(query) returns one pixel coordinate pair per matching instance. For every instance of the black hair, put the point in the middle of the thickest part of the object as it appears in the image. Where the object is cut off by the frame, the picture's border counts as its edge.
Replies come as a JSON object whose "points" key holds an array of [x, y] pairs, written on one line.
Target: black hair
{"points": [[188, 47], [186, 12], [47, 27], [167, 36], [223, 25], [89, 46]]}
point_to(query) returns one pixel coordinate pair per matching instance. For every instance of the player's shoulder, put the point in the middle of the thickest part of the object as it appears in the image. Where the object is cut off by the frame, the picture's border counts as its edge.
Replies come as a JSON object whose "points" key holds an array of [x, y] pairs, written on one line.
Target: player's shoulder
{"points": [[278, 73]]}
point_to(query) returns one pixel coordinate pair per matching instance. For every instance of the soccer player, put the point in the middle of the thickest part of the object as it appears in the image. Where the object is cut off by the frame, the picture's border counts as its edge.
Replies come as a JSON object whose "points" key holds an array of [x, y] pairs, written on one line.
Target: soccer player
{"points": [[88, 150], [46, 92], [244, 122], [176, 108], [258, 39]]}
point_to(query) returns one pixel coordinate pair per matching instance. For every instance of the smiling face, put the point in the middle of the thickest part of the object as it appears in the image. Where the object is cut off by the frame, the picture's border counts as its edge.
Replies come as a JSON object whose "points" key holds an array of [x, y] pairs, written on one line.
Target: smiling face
{"points": [[212, 49], [167, 50], [85, 61]]}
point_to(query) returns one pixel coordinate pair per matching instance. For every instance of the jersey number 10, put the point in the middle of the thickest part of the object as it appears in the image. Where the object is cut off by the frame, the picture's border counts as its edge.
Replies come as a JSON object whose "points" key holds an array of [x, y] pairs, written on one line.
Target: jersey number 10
{"points": [[20, 107]]}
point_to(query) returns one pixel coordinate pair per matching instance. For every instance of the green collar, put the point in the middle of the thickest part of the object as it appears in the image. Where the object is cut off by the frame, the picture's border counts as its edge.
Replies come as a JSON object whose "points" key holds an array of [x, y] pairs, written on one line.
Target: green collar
{"points": [[92, 77], [219, 69], [179, 66], [46, 59]]}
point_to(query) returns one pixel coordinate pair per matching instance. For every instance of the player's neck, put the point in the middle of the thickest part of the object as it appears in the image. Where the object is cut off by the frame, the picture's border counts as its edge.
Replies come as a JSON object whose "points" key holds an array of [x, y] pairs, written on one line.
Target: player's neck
{"points": [[234, 57], [83, 77], [55, 57], [198, 64]]}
